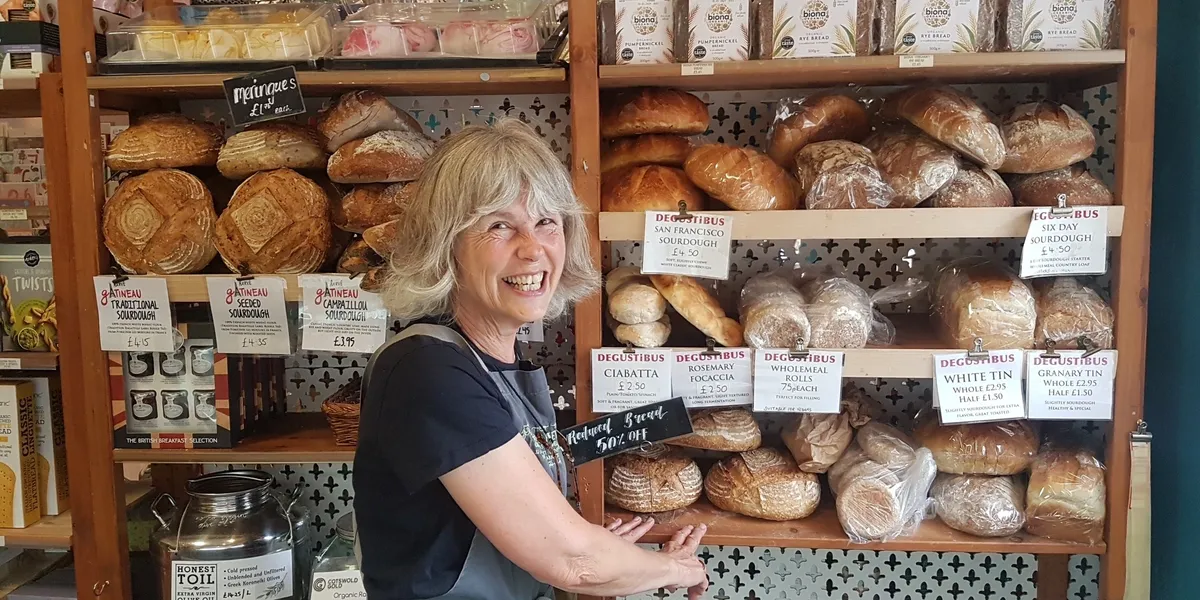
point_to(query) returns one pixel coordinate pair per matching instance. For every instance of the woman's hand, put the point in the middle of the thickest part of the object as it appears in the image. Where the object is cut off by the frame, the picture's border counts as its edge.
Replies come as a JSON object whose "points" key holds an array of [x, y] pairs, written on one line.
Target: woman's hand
{"points": [[682, 547], [633, 530]]}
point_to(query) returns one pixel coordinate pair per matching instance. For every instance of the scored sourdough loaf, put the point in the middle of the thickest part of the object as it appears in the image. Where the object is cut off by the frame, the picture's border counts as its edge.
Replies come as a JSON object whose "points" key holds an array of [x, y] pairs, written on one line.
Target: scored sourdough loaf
{"points": [[980, 504], [648, 187], [699, 306], [817, 118], [1067, 309], [167, 141], [358, 114], [999, 448], [1041, 136], [840, 174], [160, 222], [724, 429], [643, 335], [652, 149], [276, 222], [384, 157], [773, 313], [270, 146], [1065, 499], [382, 238], [952, 118], [913, 164], [652, 110], [371, 204], [653, 480], [763, 483], [742, 178], [976, 299], [975, 187], [1074, 184]]}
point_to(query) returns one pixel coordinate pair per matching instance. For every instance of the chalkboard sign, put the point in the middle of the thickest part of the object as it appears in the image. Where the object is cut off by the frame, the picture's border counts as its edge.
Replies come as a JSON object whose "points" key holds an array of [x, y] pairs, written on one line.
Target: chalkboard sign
{"points": [[626, 430], [257, 97]]}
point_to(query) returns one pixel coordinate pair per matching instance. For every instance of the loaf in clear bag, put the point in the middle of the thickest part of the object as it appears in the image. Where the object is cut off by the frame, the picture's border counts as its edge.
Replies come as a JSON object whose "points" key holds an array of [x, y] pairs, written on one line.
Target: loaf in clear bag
{"points": [[914, 165], [1065, 499], [1029, 25], [1068, 310], [773, 313], [975, 299], [999, 448], [879, 502], [821, 117], [980, 505], [840, 174], [742, 178], [953, 118]]}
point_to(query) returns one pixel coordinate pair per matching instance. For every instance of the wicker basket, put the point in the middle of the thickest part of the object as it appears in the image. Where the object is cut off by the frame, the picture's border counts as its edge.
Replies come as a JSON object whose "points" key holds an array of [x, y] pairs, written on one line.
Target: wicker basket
{"points": [[341, 409]]}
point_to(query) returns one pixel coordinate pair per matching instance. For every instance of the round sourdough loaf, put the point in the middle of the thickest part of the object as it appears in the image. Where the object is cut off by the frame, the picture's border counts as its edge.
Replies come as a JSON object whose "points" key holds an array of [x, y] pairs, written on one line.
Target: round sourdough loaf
{"points": [[356, 115], [952, 118], [973, 187], [653, 149], [165, 141], [371, 204], [381, 238], [654, 480], [270, 146], [699, 306], [763, 483], [1000, 448], [160, 222], [840, 174], [1042, 136], [773, 313], [742, 178], [276, 222], [652, 110], [980, 504], [384, 157], [817, 118], [886, 445], [648, 187], [1074, 183], [913, 164], [724, 429]]}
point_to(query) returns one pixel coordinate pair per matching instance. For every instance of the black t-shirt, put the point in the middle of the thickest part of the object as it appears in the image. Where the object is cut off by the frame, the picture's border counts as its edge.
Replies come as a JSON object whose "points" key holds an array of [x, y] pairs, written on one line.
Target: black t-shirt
{"points": [[428, 411]]}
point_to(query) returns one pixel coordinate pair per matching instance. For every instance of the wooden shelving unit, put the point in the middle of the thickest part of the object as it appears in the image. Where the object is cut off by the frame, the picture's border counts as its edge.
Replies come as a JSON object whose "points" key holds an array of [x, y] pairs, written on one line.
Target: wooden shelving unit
{"points": [[28, 361], [300, 438], [57, 532]]}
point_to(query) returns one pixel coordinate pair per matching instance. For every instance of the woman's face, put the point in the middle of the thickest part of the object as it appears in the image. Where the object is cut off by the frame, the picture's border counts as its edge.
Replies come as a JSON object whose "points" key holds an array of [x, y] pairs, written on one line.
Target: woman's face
{"points": [[509, 265]]}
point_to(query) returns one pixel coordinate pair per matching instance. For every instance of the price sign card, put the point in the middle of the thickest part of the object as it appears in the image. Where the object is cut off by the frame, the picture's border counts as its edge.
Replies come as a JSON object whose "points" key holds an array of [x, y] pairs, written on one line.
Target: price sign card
{"points": [[697, 246], [1074, 243], [250, 315], [800, 384], [622, 380], [1071, 386], [135, 314], [262, 96], [534, 332], [973, 390], [618, 432], [337, 316], [721, 379]]}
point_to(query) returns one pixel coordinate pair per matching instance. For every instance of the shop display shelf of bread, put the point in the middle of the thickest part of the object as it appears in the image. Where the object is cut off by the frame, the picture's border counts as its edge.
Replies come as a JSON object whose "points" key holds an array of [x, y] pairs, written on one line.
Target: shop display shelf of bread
{"points": [[56, 532], [299, 438]]}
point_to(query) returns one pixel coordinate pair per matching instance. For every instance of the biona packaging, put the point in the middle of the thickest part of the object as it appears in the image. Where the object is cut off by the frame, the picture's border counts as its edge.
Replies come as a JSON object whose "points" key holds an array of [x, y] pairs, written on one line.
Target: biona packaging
{"points": [[937, 26], [1056, 24], [814, 28], [637, 32], [712, 30], [19, 505]]}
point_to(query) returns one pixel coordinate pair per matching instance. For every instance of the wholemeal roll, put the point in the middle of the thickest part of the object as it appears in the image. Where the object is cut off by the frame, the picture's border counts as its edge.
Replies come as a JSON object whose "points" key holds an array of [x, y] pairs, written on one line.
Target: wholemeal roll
{"points": [[356, 115], [763, 483], [980, 504], [270, 146], [653, 480], [974, 299], [724, 429], [1041, 136], [643, 335], [973, 187], [654, 149], [167, 141], [1078, 186], [636, 301], [817, 441], [742, 178], [773, 313], [1065, 499], [652, 110], [1067, 309], [952, 118], [160, 222], [617, 277], [697, 304], [649, 187], [886, 445], [839, 311], [1000, 448], [840, 174], [384, 157], [817, 118], [858, 406], [913, 164], [276, 222]]}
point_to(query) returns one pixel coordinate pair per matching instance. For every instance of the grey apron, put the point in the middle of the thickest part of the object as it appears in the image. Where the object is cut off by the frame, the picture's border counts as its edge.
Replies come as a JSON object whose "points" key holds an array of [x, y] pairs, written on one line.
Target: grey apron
{"points": [[487, 574]]}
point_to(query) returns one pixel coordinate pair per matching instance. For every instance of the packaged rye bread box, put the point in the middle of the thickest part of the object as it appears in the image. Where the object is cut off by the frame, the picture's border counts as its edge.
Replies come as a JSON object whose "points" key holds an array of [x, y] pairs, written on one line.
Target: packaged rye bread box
{"points": [[937, 26], [814, 28], [1032, 25], [637, 32]]}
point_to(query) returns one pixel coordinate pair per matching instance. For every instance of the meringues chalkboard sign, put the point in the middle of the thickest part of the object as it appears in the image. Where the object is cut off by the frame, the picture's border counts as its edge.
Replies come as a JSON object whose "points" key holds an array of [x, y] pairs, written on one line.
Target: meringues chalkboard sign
{"points": [[263, 96], [617, 432]]}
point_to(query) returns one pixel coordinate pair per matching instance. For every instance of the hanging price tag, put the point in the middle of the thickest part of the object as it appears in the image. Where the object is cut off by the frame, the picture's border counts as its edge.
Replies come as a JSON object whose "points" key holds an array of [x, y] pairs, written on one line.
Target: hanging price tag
{"points": [[337, 316], [135, 314], [1071, 386], [719, 379], [696, 244], [622, 380], [803, 384], [977, 390], [1066, 242], [534, 332], [250, 316]]}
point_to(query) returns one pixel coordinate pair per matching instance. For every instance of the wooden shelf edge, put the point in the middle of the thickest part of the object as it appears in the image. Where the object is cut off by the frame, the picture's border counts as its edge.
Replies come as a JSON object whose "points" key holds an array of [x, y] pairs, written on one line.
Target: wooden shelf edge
{"points": [[56, 532], [295, 438], [29, 361], [903, 223]]}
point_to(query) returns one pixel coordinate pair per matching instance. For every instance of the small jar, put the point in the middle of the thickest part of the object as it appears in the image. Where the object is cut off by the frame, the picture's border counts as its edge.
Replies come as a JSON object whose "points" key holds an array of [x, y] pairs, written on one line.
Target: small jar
{"points": [[335, 572]]}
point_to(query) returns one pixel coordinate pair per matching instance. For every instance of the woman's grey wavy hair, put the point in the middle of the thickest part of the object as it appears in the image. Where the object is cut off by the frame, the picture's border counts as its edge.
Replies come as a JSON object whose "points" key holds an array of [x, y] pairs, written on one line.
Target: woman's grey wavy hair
{"points": [[474, 173]]}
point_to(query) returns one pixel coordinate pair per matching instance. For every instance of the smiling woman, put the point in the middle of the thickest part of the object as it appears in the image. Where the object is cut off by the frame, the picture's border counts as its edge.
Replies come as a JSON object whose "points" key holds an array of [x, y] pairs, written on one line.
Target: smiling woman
{"points": [[459, 477]]}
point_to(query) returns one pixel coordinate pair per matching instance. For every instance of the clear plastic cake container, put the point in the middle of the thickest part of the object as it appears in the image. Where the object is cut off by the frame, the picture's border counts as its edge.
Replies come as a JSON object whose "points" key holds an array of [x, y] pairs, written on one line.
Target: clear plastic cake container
{"points": [[477, 29]]}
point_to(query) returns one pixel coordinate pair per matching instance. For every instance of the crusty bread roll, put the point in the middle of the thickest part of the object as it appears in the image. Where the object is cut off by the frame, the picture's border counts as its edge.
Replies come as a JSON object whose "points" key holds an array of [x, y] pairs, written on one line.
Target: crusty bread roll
{"points": [[371, 204], [913, 164], [952, 118], [356, 115], [724, 429], [652, 110], [383, 157], [636, 301], [974, 299], [269, 146], [644, 335], [276, 222], [742, 178], [1065, 499], [886, 445], [382, 238], [1068, 309], [980, 504], [1000, 448], [1079, 186], [817, 118], [653, 149], [697, 304], [840, 174], [160, 222], [763, 483], [166, 141], [772, 313], [817, 441], [1042, 136], [654, 480], [648, 187], [973, 187], [839, 311]]}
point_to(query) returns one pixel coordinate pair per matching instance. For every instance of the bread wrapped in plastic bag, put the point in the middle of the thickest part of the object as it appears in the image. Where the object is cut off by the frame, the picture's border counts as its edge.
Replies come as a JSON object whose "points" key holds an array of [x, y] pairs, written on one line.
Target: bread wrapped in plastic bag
{"points": [[742, 178], [975, 299], [817, 441], [1092, 26], [820, 117], [980, 504], [913, 164], [838, 175], [998, 448], [879, 502], [842, 314], [772, 312], [885, 444], [1065, 499], [1067, 310]]}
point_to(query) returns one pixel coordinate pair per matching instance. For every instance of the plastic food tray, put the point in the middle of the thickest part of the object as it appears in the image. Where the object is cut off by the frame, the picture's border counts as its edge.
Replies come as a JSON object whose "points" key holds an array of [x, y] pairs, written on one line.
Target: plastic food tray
{"points": [[487, 29]]}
